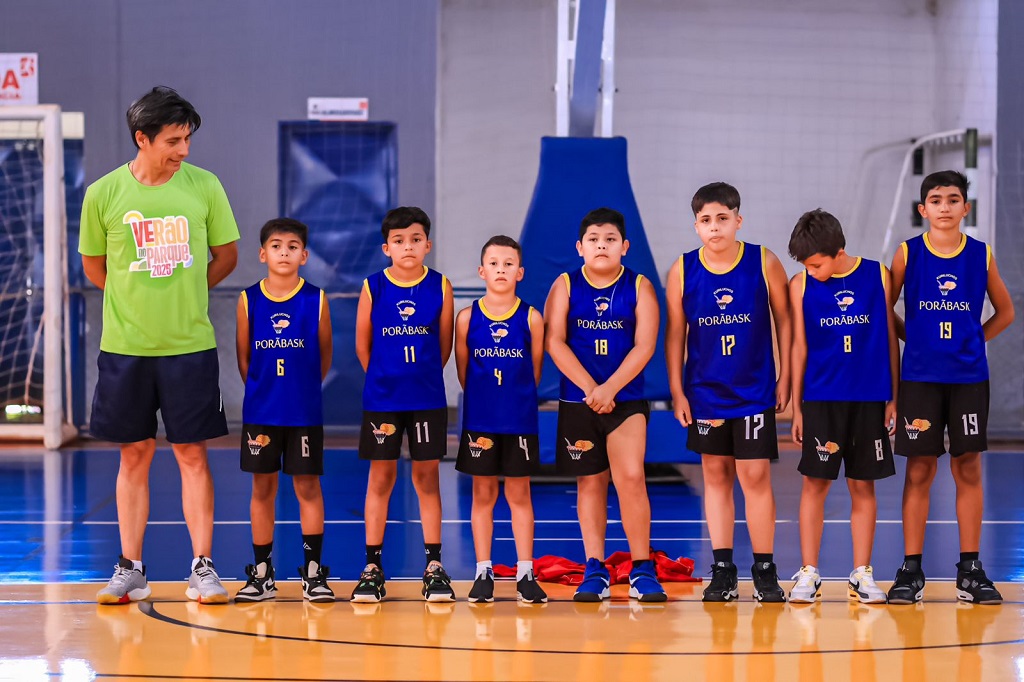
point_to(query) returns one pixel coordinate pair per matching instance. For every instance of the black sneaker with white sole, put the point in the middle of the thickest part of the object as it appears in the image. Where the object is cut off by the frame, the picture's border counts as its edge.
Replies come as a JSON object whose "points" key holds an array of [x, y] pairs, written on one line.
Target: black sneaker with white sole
{"points": [[437, 586], [766, 583], [314, 583], [370, 588], [972, 585], [724, 585], [259, 584], [908, 587], [483, 588], [529, 591]]}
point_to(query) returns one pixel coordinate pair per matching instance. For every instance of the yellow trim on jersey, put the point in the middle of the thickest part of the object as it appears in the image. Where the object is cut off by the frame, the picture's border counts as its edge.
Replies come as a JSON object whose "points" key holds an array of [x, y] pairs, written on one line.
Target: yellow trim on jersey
{"points": [[366, 288], [988, 256], [444, 285], [245, 302], [639, 278], [803, 283], [849, 272], [280, 299], [682, 280], [407, 284], [499, 318], [906, 252], [568, 286], [622, 269], [320, 310], [885, 278], [764, 268], [529, 317], [928, 245], [739, 256]]}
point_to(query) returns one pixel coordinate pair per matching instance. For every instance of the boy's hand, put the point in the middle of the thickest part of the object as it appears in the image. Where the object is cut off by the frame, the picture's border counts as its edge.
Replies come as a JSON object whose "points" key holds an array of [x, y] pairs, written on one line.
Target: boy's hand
{"points": [[890, 417], [601, 399], [797, 429], [682, 411], [782, 396]]}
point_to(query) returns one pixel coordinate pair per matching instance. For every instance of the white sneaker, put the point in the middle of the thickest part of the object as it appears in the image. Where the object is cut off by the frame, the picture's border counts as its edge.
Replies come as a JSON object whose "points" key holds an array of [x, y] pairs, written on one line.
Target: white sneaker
{"points": [[808, 586], [863, 587], [204, 584]]}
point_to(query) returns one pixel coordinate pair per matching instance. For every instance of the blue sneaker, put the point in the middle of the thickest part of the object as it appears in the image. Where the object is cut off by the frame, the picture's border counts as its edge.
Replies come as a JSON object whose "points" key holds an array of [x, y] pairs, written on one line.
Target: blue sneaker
{"points": [[596, 581], [644, 585]]}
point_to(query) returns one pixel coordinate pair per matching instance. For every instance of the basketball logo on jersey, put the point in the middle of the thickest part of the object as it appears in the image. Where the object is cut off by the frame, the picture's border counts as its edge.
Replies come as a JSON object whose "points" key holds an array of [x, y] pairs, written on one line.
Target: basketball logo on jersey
{"points": [[577, 449], [915, 427], [723, 297], [258, 443], [704, 426], [406, 309], [479, 444], [499, 330], [383, 431], [601, 303], [829, 448], [946, 283], [845, 299], [280, 322]]}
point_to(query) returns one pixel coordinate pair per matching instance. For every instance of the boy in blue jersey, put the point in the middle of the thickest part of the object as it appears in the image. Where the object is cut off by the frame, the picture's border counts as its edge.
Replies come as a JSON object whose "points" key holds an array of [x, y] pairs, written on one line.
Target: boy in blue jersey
{"points": [[403, 340], [721, 301], [845, 369], [284, 346], [499, 348], [945, 378], [602, 328]]}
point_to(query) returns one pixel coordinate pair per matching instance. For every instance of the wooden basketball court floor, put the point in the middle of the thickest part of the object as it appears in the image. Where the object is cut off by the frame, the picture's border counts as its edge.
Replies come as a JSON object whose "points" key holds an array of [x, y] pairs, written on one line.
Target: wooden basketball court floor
{"points": [[58, 543]]}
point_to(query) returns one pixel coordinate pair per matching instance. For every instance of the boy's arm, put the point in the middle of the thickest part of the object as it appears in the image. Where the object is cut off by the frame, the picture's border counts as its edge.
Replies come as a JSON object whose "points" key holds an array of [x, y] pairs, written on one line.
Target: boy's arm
{"points": [[898, 274], [798, 361], [894, 355], [675, 339], [778, 298], [364, 327], [1001, 302], [95, 269], [461, 349], [645, 340], [326, 336], [537, 343], [242, 336], [556, 310], [447, 324]]}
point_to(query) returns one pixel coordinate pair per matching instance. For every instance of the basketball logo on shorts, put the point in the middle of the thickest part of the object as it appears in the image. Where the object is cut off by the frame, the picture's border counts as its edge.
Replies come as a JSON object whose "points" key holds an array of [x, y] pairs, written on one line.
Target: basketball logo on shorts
{"points": [[915, 427], [479, 444], [601, 303], [280, 322], [946, 283], [577, 449], [829, 448], [844, 299], [499, 330], [258, 443], [406, 309], [704, 426], [723, 297], [383, 431]]}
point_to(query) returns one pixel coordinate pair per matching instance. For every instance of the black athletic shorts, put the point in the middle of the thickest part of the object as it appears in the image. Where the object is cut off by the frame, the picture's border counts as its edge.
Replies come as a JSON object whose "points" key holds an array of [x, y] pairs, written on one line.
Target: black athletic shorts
{"points": [[381, 434], [300, 447], [498, 454], [840, 432], [130, 389], [750, 437], [925, 410], [582, 447]]}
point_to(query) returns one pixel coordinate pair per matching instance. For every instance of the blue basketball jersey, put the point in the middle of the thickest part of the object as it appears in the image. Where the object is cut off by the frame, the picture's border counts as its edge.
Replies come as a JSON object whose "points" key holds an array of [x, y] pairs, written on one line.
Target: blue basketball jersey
{"points": [[600, 329], [405, 370], [730, 368], [501, 389], [944, 295], [282, 387], [847, 332]]}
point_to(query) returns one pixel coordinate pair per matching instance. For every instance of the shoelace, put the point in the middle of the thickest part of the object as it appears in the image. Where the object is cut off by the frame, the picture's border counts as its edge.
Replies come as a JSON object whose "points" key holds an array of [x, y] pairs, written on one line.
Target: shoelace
{"points": [[867, 579], [368, 577], [207, 575], [121, 575], [803, 578]]}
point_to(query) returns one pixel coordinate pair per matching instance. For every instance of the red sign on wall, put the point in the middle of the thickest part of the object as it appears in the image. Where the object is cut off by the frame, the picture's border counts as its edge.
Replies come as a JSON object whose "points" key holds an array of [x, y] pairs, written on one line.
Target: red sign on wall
{"points": [[19, 78]]}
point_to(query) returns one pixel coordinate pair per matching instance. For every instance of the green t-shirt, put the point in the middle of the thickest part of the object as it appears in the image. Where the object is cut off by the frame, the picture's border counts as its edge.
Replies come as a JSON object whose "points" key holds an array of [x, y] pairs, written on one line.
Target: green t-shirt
{"points": [[156, 240]]}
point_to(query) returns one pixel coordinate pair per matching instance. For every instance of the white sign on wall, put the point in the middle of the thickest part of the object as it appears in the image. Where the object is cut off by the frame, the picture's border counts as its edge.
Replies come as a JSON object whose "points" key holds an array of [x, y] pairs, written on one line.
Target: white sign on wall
{"points": [[19, 78], [338, 108]]}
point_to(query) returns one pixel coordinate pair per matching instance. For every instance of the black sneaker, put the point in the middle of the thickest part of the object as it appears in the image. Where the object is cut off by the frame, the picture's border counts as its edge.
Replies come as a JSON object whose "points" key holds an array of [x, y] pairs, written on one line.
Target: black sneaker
{"points": [[314, 583], [766, 583], [483, 588], [972, 585], [908, 587], [529, 590], [258, 587], [370, 588], [437, 586], [724, 584]]}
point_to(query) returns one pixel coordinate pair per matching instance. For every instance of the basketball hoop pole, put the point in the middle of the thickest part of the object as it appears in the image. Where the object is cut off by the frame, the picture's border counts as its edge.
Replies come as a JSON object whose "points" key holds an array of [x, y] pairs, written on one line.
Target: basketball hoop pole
{"points": [[578, 66]]}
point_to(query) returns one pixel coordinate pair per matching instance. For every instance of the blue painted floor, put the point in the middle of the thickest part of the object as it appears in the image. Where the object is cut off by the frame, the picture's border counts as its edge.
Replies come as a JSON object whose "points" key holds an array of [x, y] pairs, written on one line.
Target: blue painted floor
{"points": [[58, 520]]}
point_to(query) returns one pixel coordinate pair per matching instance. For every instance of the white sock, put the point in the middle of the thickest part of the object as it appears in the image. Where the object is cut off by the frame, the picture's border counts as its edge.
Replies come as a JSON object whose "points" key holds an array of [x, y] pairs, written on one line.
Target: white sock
{"points": [[523, 569], [482, 567], [137, 565]]}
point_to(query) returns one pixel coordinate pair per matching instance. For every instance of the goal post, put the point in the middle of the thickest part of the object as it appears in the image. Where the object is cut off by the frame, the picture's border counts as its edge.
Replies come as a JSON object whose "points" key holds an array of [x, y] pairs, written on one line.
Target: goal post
{"points": [[40, 132]]}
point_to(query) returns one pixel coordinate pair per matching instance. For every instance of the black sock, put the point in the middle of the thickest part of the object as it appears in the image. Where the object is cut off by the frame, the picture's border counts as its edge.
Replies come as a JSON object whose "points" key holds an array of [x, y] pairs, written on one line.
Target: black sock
{"points": [[722, 556], [912, 562], [968, 556], [262, 553], [763, 558], [311, 546], [433, 551], [373, 555], [643, 563]]}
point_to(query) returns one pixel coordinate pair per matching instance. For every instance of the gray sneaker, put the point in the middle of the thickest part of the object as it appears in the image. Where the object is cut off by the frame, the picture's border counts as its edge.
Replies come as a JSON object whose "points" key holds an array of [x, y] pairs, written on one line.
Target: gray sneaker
{"points": [[204, 584], [128, 584]]}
